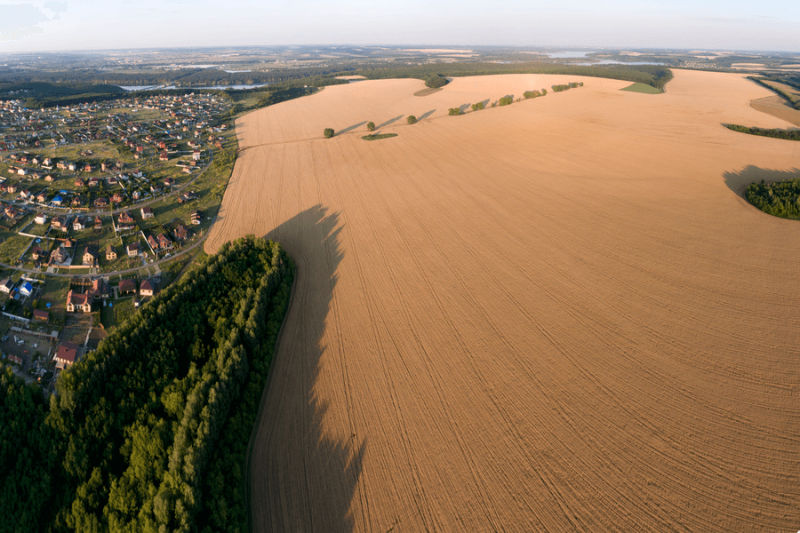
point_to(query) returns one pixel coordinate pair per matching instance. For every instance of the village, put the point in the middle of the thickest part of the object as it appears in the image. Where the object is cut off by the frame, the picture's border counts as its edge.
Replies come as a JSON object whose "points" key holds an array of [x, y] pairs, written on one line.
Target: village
{"points": [[101, 206]]}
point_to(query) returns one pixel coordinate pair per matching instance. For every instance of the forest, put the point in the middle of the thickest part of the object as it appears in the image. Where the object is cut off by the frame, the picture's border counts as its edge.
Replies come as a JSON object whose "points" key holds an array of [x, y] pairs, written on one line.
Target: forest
{"points": [[780, 199], [150, 431], [654, 75]]}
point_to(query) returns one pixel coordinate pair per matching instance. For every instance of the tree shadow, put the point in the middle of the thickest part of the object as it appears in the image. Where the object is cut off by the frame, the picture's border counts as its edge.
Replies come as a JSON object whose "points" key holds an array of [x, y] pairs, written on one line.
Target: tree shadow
{"points": [[351, 128], [485, 103], [395, 119], [426, 115], [738, 181], [463, 107], [300, 477]]}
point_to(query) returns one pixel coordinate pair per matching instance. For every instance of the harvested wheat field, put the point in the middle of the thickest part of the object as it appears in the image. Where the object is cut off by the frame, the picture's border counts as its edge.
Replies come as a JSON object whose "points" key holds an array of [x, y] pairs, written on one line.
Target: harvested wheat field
{"points": [[558, 315]]}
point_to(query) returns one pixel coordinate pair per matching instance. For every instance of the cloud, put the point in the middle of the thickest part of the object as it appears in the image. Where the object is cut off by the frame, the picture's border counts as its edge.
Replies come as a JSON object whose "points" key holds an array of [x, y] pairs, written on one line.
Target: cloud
{"points": [[20, 20]]}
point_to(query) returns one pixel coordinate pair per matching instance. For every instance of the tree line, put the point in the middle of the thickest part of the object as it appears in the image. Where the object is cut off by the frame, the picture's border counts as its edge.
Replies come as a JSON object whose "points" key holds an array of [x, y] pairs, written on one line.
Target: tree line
{"points": [[654, 75], [150, 431], [775, 133]]}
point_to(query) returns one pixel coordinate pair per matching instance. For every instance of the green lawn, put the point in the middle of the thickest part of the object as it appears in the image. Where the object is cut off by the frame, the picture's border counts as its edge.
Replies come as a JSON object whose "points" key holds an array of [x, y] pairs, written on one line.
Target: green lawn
{"points": [[115, 315], [12, 247], [642, 88]]}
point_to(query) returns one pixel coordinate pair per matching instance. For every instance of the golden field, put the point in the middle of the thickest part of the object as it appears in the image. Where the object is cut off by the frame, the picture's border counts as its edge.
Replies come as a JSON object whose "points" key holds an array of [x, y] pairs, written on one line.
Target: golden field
{"points": [[558, 315]]}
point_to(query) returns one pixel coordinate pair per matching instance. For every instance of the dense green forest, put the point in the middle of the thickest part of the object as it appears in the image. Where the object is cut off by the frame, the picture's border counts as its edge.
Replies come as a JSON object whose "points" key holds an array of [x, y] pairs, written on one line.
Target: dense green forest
{"points": [[654, 75], [779, 199], [150, 431], [791, 135]]}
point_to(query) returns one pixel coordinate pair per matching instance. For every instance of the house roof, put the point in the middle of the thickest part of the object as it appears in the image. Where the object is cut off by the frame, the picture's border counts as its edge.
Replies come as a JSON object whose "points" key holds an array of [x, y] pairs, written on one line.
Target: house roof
{"points": [[77, 299], [38, 313], [146, 286], [127, 285], [67, 352]]}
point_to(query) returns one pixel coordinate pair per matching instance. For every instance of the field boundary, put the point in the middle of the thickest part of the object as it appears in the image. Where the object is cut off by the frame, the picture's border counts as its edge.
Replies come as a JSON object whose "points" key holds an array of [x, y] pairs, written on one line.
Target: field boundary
{"points": [[262, 402]]}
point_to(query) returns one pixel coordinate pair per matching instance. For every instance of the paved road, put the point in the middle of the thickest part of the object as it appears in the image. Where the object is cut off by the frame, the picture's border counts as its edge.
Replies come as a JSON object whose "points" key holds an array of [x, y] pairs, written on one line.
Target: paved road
{"points": [[116, 272]]}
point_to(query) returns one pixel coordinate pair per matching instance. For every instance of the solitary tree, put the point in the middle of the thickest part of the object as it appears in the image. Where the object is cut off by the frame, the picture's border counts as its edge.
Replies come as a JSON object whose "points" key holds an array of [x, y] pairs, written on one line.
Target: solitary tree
{"points": [[328, 133], [478, 106], [411, 119], [370, 126]]}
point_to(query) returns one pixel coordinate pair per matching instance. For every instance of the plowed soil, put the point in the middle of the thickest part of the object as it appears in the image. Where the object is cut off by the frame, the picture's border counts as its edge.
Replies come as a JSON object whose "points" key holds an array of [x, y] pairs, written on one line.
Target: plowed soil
{"points": [[558, 315]]}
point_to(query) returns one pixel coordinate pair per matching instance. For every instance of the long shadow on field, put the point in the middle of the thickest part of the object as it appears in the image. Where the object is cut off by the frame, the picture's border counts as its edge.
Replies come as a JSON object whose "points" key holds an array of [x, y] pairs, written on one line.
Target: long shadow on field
{"points": [[426, 115], [464, 107], [395, 119], [302, 478], [351, 128], [738, 181]]}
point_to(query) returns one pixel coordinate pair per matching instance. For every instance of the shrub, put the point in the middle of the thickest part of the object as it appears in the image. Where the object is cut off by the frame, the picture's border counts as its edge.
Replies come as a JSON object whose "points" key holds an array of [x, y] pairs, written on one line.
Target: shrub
{"points": [[370, 126], [478, 106], [454, 111], [328, 133], [411, 119], [506, 100]]}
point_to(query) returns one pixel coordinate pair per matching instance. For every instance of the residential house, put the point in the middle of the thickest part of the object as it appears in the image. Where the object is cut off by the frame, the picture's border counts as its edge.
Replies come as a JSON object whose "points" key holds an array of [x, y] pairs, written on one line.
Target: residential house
{"points": [[37, 252], [132, 249], [66, 354], [163, 242], [196, 155], [126, 286], [125, 221], [49, 178], [41, 316], [78, 303], [59, 222], [111, 254], [59, 256], [57, 200], [26, 289], [94, 182], [78, 224], [6, 285], [88, 167], [152, 242], [169, 182], [163, 156], [116, 198], [147, 212], [146, 288], [181, 233], [101, 202], [100, 289], [22, 171], [12, 188], [89, 256], [41, 197], [79, 182], [41, 218], [98, 223]]}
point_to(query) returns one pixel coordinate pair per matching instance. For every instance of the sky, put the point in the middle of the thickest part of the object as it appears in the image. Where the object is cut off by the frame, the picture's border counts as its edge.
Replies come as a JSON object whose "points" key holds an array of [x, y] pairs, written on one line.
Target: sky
{"points": [[766, 25]]}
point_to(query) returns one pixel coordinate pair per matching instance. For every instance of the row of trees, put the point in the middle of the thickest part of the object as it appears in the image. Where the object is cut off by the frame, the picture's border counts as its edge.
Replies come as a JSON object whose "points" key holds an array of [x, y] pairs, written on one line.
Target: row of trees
{"points": [[567, 86], [791, 135], [133, 436], [534, 94], [792, 100]]}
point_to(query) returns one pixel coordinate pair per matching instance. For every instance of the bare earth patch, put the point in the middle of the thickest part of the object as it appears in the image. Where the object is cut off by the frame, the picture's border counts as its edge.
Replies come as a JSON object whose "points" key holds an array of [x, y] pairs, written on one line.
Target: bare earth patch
{"points": [[550, 316]]}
